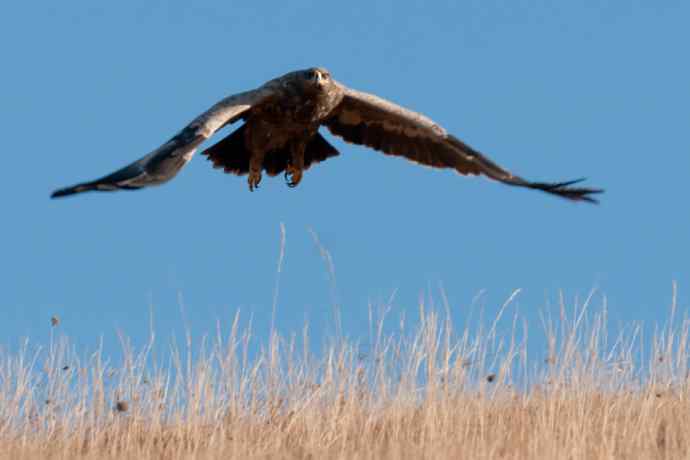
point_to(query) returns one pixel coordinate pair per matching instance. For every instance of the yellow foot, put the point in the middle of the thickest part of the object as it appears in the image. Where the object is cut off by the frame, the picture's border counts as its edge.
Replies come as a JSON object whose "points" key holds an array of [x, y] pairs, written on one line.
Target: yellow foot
{"points": [[293, 176], [254, 179]]}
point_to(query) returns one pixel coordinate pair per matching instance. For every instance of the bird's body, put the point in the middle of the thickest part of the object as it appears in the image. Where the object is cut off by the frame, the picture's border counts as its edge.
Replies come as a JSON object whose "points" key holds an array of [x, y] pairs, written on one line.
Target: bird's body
{"points": [[280, 134], [279, 129]]}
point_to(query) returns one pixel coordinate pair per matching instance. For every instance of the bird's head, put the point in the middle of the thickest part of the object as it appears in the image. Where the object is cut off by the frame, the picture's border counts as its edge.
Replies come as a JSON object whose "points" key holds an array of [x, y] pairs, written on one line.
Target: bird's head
{"points": [[315, 78]]}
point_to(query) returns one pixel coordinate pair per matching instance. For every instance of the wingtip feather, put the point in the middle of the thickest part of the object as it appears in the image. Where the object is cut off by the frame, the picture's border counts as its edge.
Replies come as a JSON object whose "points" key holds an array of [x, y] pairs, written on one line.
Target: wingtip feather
{"points": [[565, 190], [67, 191]]}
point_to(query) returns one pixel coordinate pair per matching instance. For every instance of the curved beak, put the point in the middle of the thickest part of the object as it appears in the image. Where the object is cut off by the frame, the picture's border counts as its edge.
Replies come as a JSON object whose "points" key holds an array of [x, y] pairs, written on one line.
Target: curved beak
{"points": [[320, 80]]}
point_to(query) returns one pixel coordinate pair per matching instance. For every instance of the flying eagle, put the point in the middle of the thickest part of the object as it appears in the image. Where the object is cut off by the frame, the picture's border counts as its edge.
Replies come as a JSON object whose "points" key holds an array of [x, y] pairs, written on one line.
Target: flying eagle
{"points": [[280, 134]]}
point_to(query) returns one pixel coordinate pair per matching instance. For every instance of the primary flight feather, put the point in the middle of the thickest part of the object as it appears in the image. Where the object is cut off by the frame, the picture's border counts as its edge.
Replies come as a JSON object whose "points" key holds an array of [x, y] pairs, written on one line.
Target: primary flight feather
{"points": [[280, 134]]}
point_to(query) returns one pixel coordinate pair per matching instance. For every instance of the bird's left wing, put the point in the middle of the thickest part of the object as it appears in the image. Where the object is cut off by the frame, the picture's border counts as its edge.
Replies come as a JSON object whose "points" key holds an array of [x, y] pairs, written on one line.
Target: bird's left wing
{"points": [[369, 120], [165, 162]]}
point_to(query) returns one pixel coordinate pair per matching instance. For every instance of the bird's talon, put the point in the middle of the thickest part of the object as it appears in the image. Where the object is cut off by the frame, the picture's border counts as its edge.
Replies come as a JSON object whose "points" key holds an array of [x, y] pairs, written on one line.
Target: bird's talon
{"points": [[293, 176], [253, 180]]}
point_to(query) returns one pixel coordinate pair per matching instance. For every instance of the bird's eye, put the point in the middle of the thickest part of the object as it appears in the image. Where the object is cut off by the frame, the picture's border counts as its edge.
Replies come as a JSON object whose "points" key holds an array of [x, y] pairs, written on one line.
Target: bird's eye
{"points": [[311, 74]]}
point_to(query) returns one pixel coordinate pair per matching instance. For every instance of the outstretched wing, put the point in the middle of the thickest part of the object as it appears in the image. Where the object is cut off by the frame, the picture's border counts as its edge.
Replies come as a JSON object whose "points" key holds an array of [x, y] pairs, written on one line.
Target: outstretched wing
{"points": [[369, 120], [165, 162]]}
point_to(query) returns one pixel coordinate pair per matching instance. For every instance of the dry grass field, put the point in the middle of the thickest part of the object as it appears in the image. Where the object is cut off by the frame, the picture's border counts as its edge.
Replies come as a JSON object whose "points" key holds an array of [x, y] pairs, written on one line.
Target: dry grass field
{"points": [[430, 392]]}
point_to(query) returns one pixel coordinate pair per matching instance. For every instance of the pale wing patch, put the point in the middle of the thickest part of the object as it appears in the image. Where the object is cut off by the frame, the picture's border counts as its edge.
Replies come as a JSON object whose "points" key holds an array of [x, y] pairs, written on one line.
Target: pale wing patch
{"points": [[165, 162]]}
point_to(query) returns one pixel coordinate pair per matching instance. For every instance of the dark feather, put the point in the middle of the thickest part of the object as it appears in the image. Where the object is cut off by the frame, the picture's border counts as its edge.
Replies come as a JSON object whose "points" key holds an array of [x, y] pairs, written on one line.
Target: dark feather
{"points": [[402, 133], [493, 171], [420, 149], [90, 186]]}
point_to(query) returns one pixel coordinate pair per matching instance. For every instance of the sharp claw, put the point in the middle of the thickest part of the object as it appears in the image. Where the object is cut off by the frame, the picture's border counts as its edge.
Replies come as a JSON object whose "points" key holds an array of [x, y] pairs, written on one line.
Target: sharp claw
{"points": [[253, 181], [292, 176]]}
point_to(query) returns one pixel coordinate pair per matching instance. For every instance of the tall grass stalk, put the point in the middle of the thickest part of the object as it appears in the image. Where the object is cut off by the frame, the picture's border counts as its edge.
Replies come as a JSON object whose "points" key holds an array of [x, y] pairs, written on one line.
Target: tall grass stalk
{"points": [[425, 392]]}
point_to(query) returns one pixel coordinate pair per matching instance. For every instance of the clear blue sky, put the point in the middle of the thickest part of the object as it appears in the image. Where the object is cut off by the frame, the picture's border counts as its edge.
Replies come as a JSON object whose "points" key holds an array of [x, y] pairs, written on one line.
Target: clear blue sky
{"points": [[600, 90]]}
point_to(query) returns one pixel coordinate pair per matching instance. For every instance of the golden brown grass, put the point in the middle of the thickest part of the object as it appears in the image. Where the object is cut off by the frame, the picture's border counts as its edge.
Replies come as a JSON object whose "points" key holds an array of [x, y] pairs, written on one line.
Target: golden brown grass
{"points": [[427, 393]]}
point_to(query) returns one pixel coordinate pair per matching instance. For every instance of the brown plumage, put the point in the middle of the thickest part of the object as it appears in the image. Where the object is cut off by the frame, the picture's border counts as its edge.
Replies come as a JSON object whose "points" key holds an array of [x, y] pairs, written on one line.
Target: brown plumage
{"points": [[280, 135], [231, 155]]}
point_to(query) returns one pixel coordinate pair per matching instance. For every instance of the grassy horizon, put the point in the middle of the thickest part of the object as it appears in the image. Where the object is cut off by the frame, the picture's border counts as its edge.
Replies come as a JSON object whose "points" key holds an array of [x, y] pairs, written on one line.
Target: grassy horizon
{"points": [[422, 392]]}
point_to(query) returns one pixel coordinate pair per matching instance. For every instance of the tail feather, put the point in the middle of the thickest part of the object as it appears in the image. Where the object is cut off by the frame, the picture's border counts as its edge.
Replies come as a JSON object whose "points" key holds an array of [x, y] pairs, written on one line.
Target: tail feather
{"points": [[231, 154]]}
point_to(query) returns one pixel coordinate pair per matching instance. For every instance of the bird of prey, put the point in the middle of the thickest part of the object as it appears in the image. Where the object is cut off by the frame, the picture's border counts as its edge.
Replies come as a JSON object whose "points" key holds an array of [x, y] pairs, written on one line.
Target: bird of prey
{"points": [[280, 134]]}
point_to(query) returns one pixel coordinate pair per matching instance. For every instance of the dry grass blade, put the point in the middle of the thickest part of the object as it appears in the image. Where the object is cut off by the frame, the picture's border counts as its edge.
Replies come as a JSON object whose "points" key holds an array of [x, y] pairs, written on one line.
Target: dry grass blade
{"points": [[426, 393]]}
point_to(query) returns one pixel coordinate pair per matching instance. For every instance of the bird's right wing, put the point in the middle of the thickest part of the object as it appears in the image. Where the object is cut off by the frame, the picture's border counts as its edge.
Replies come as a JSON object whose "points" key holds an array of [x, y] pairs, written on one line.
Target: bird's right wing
{"points": [[165, 162]]}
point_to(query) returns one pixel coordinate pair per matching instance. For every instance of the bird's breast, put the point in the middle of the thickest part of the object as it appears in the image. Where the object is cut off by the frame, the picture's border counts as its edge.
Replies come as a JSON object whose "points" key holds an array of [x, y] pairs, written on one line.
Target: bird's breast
{"points": [[299, 109]]}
